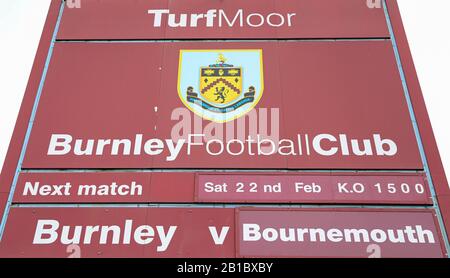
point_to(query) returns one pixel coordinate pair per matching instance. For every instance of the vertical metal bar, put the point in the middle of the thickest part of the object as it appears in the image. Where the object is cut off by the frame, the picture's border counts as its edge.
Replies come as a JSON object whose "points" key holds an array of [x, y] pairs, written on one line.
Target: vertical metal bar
{"points": [[31, 121], [416, 129]]}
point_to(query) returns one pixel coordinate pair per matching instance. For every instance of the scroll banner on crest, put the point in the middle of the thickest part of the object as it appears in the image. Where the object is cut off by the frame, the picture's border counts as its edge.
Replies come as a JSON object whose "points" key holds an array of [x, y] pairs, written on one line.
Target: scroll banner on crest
{"points": [[212, 108]]}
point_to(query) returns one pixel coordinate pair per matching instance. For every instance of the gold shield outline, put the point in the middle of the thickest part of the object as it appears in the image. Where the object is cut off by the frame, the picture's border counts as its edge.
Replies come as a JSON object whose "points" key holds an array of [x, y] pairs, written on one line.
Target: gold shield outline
{"points": [[179, 89]]}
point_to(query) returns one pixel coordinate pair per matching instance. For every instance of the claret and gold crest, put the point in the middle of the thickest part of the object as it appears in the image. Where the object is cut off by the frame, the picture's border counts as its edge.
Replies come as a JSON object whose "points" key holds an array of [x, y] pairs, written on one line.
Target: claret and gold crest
{"points": [[220, 85]]}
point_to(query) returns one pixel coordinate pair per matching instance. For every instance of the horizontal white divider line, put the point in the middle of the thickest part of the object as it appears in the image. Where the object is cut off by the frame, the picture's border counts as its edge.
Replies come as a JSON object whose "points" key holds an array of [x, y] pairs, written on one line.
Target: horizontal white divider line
{"points": [[183, 170], [216, 205], [220, 40]]}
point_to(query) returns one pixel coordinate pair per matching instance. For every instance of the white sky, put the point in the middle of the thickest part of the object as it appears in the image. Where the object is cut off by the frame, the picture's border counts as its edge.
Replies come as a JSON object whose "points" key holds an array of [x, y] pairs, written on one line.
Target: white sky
{"points": [[426, 23]]}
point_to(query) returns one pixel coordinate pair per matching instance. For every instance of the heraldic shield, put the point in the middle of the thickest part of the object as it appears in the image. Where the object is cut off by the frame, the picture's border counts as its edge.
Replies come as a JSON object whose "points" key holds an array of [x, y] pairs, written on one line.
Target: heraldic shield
{"points": [[220, 85]]}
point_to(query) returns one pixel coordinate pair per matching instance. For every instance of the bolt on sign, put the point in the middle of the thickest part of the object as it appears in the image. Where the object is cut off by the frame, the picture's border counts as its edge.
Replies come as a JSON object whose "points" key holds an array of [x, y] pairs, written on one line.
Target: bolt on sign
{"points": [[144, 111]]}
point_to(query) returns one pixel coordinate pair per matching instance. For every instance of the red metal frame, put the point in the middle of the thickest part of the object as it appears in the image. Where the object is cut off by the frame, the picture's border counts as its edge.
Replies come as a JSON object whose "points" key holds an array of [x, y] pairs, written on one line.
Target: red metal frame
{"points": [[426, 131], [20, 129], [429, 143]]}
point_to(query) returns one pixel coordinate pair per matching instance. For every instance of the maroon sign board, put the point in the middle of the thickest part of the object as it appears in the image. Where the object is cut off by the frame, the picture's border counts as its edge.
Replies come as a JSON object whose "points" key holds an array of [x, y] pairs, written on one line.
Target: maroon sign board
{"points": [[200, 187], [313, 188], [178, 104], [203, 19], [209, 232]]}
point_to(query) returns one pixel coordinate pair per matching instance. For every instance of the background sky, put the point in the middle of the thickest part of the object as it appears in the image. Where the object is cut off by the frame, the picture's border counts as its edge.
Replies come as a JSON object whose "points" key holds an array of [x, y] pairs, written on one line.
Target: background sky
{"points": [[427, 26]]}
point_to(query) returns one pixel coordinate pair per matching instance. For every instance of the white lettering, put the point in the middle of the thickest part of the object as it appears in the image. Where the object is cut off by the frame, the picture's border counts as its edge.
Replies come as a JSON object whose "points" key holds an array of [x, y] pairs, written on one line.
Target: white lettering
{"points": [[50, 233], [158, 16], [317, 144], [238, 18], [322, 144], [380, 145], [58, 141], [218, 239], [238, 15]]}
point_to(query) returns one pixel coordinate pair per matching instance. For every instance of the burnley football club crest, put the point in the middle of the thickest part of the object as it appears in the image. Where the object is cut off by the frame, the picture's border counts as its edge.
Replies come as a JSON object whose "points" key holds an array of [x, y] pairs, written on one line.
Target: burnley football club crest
{"points": [[220, 85]]}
